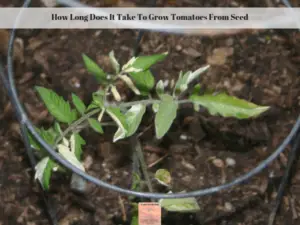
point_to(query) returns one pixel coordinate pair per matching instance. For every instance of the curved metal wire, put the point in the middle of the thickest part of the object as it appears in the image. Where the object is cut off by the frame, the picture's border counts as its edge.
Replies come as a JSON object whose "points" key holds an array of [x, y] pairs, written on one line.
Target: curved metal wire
{"points": [[26, 122]]}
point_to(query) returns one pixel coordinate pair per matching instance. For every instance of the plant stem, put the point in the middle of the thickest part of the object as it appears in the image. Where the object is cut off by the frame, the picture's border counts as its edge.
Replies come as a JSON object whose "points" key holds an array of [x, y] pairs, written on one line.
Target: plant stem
{"points": [[139, 152], [74, 125], [95, 111], [143, 102]]}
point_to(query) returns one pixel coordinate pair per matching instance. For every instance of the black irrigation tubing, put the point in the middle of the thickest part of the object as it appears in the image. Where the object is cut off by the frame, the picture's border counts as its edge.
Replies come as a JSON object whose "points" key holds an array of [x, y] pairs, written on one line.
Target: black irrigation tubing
{"points": [[49, 210], [291, 160], [26, 123]]}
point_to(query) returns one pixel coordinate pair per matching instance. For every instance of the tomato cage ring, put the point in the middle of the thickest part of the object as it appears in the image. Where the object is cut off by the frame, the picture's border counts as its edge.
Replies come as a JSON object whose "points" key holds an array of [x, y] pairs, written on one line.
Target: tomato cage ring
{"points": [[27, 126]]}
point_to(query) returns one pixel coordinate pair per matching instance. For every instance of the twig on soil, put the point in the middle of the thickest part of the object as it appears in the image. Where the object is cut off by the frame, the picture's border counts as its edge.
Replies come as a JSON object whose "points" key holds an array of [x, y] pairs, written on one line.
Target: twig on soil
{"points": [[144, 131], [293, 207], [124, 216], [158, 161]]}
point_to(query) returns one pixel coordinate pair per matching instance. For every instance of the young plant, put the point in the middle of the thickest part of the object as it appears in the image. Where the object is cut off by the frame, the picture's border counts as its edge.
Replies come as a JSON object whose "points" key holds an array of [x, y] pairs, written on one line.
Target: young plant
{"points": [[64, 136]]}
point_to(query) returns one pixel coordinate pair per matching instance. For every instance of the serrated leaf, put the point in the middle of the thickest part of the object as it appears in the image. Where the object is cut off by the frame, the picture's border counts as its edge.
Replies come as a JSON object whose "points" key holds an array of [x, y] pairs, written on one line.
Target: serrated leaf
{"points": [[228, 106], [114, 62], [165, 116], [98, 100], [43, 171], [95, 125], [49, 136], [80, 106], [93, 105], [94, 69], [143, 80], [183, 205], [160, 88], [65, 152], [163, 176], [99, 97], [76, 145], [134, 117], [130, 84], [143, 63], [120, 120], [57, 106]]}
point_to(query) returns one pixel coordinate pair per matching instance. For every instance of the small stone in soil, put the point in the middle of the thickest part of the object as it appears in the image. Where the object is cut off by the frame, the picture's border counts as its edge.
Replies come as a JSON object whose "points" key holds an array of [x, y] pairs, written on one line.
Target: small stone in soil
{"points": [[78, 184], [218, 163], [230, 162], [191, 52]]}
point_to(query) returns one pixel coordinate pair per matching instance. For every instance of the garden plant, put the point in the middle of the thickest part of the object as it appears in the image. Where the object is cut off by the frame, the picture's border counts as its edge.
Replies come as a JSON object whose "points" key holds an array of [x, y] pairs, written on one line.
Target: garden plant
{"points": [[109, 109]]}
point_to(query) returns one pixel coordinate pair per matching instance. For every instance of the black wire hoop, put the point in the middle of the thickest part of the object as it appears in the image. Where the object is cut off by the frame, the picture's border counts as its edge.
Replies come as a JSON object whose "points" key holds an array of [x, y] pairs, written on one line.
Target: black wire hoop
{"points": [[26, 125]]}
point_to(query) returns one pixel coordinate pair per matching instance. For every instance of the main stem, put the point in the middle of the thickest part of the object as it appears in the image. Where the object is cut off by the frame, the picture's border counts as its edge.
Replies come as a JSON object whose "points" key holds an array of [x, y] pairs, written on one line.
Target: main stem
{"points": [[75, 124]]}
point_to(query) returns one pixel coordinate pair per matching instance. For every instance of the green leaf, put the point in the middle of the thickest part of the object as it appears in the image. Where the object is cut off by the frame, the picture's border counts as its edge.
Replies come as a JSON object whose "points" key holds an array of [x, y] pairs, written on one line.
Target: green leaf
{"points": [[165, 116], [163, 176], [94, 69], [98, 101], [76, 145], [194, 75], [57, 128], [183, 205], [120, 119], [143, 80], [33, 143], [134, 221], [160, 88], [98, 98], [181, 84], [93, 105], [136, 182], [43, 171], [134, 117], [65, 152], [143, 63], [228, 106], [57, 106], [114, 62], [49, 136], [184, 80], [80, 106], [196, 89], [95, 125], [155, 107]]}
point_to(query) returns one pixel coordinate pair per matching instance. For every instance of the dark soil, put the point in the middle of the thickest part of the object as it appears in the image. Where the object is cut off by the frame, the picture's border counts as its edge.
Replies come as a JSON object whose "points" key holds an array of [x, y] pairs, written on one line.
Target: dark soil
{"points": [[262, 67]]}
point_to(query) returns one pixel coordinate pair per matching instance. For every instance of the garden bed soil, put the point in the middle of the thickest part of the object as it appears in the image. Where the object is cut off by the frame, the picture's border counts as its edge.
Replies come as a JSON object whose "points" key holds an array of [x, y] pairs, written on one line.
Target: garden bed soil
{"points": [[261, 67]]}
